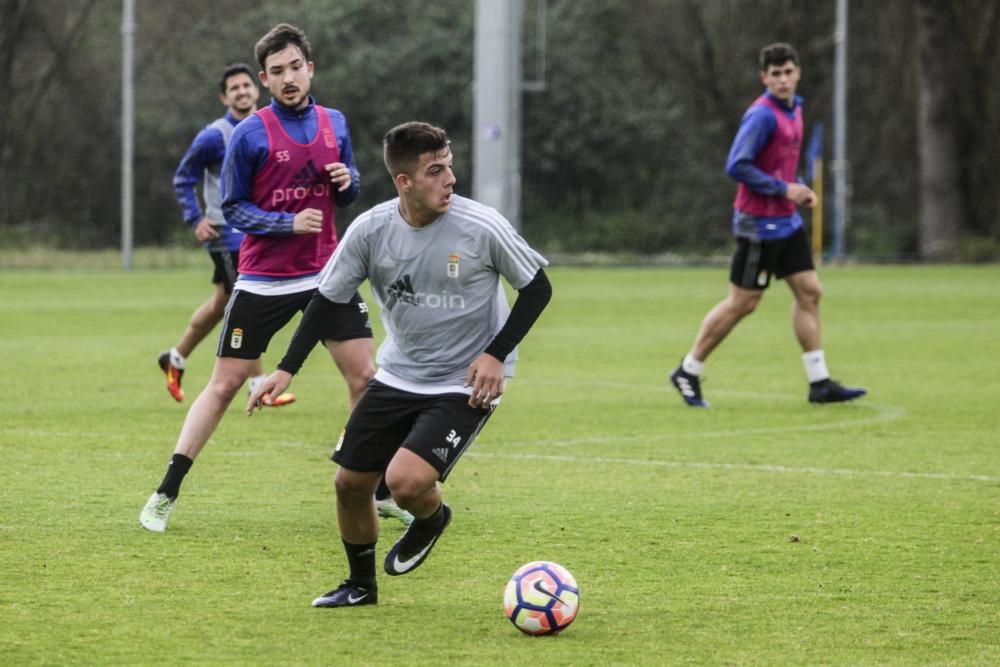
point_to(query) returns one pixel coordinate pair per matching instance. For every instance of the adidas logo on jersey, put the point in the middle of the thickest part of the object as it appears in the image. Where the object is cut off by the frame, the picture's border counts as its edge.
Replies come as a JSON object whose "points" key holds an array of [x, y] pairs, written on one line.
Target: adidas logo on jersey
{"points": [[441, 453], [401, 290], [307, 182], [307, 176]]}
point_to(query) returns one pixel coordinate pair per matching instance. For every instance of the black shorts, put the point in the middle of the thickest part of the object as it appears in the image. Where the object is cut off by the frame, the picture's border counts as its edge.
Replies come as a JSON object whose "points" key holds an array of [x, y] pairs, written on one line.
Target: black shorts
{"points": [[755, 261], [225, 268], [251, 321], [436, 427]]}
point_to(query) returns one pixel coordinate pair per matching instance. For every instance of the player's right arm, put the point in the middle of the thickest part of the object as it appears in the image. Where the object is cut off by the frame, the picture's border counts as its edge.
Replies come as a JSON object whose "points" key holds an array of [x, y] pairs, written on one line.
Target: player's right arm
{"points": [[207, 148], [756, 129], [246, 156]]}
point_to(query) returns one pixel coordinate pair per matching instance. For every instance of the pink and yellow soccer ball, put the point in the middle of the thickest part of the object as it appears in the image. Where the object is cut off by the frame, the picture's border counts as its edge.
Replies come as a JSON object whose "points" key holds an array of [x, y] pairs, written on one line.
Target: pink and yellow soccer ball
{"points": [[541, 598]]}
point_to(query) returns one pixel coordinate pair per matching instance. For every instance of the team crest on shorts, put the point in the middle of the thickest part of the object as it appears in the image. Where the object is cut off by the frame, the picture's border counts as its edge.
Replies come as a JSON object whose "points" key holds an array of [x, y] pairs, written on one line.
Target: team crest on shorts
{"points": [[236, 340], [453, 265], [762, 278]]}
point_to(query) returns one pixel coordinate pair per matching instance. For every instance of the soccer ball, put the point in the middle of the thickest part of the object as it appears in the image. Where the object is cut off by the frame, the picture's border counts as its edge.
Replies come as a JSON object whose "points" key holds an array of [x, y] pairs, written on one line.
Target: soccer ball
{"points": [[541, 598]]}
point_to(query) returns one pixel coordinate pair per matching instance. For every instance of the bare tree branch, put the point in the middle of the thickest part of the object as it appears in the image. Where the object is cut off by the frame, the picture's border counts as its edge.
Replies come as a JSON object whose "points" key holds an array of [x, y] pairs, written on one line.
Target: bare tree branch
{"points": [[62, 47]]}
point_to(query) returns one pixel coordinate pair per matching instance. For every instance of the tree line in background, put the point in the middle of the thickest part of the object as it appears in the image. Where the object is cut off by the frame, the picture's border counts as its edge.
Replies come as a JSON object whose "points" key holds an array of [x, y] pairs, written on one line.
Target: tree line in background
{"points": [[623, 150]]}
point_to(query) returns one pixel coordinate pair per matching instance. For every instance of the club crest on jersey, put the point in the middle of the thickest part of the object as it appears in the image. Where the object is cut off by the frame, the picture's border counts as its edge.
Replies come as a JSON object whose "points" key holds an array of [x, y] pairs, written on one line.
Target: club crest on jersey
{"points": [[452, 266], [236, 340]]}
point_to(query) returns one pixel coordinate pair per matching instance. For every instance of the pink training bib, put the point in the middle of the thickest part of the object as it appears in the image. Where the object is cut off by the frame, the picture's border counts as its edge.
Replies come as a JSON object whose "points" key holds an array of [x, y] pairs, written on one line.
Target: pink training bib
{"points": [[293, 179]]}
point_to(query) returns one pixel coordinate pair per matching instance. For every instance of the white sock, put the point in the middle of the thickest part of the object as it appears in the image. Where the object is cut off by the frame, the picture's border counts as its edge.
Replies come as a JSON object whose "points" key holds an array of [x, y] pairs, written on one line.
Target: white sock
{"points": [[176, 360], [256, 380], [815, 363], [692, 365]]}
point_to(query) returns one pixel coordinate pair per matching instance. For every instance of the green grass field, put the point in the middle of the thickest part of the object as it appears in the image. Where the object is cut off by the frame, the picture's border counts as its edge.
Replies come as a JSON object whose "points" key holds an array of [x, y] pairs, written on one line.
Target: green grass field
{"points": [[763, 531]]}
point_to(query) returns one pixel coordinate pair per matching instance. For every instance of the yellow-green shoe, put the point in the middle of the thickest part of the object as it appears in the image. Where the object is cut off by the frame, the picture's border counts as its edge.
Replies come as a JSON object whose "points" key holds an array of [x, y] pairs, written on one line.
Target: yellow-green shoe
{"points": [[156, 512]]}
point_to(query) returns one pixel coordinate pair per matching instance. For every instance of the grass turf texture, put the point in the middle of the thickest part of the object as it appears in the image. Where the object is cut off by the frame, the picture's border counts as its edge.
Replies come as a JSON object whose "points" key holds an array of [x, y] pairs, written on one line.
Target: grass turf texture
{"points": [[762, 531]]}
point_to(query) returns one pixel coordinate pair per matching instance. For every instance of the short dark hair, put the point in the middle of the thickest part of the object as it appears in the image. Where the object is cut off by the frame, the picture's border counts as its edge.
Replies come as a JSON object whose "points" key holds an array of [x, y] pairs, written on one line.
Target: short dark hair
{"points": [[404, 144], [279, 38], [233, 70], [778, 53]]}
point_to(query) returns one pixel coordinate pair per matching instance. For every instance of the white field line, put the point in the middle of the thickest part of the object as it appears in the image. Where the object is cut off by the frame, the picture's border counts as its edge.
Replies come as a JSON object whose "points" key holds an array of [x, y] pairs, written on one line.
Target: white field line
{"points": [[322, 450], [750, 467], [882, 414]]}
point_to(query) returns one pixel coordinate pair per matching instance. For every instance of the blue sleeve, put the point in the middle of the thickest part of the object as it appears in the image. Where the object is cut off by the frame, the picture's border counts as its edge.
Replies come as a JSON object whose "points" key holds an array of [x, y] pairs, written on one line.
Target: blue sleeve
{"points": [[245, 157], [346, 197], [208, 148], [756, 129]]}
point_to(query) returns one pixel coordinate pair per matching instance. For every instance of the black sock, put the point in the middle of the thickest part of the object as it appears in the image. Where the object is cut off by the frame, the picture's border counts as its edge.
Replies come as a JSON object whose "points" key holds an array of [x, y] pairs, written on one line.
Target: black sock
{"points": [[432, 520], [361, 561], [176, 469], [382, 492]]}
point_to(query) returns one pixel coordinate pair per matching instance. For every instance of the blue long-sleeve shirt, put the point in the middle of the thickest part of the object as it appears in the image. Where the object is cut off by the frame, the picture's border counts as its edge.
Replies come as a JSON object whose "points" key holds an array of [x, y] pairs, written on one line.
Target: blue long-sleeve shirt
{"points": [[248, 153], [756, 129], [207, 151]]}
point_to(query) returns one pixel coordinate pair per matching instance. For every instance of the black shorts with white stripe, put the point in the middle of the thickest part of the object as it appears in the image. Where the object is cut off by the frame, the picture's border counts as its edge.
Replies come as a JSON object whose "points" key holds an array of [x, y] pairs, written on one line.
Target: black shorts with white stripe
{"points": [[251, 320], [755, 261]]}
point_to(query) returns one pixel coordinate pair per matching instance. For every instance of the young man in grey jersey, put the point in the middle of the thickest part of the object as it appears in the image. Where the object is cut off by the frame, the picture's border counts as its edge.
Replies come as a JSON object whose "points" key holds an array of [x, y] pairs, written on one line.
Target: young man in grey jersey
{"points": [[433, 260]]}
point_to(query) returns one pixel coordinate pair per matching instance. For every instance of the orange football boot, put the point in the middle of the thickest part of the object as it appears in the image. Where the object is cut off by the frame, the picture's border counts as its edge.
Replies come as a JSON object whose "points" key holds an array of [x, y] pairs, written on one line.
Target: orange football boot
{"points": [[174, 375], [283, 399]]}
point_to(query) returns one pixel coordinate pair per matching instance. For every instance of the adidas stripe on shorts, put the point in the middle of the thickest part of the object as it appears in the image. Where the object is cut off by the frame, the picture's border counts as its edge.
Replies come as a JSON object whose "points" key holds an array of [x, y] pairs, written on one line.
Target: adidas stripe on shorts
{"points": [[438, 428], [755, 261]]}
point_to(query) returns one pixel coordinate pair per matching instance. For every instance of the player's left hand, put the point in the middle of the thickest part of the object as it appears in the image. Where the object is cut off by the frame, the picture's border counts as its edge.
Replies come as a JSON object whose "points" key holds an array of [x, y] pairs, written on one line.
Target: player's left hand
{"points": [[340, 175], [485, 376], [801, 194]]}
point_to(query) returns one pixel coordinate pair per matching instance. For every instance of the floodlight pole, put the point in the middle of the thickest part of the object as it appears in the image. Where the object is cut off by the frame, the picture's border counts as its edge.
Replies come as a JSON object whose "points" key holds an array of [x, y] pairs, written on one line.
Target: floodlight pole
{"points": [[496, 143], [838, 166], [128, 130]]}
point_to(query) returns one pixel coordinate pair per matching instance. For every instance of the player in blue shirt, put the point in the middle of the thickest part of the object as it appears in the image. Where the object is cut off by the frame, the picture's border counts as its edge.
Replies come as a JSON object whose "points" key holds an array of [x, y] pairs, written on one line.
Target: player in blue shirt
{"points": [[202, 164], [770, 239]]}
